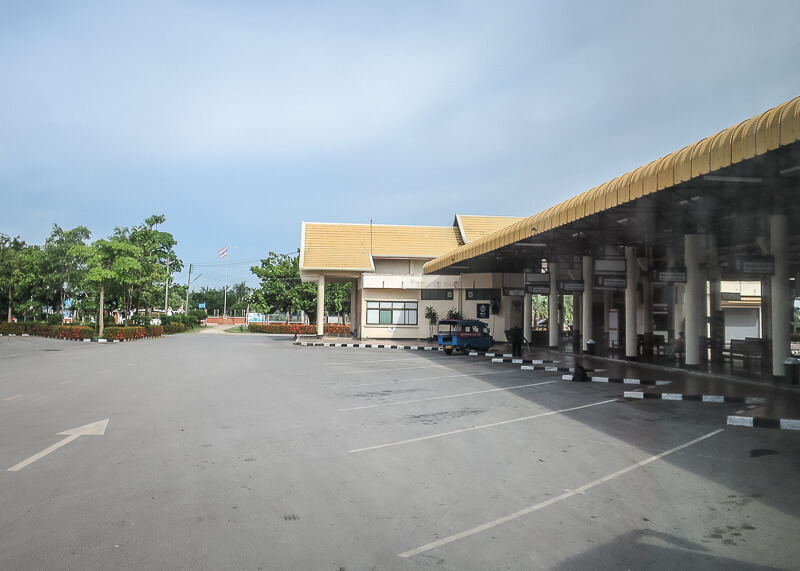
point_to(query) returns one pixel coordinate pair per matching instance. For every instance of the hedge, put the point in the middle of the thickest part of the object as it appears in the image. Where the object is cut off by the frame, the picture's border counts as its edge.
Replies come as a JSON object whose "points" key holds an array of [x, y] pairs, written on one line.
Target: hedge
{"points": [[174, 328], [42, 329], [154, 330], [297, 329], [124, 333]]}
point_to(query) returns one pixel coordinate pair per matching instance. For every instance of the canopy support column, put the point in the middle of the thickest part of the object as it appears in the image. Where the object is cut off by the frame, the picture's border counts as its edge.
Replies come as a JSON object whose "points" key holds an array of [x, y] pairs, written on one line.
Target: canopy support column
{"points": [[695, 299], [632, 269], [552, 318], [781, 296], [321, 306], [586, 314]]}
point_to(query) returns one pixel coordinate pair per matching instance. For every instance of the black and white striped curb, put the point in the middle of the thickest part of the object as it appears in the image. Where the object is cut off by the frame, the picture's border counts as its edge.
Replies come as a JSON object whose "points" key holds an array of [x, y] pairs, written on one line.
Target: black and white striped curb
{"points": [[764, 422], [620, 380], [516, 360], [367, 346], [535, 364], [696, 398]]}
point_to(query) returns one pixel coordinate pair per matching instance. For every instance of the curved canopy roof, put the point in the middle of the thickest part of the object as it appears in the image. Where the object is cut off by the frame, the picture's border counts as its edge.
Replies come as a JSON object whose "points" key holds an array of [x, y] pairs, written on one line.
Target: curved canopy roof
{"points": [[738, 156]]}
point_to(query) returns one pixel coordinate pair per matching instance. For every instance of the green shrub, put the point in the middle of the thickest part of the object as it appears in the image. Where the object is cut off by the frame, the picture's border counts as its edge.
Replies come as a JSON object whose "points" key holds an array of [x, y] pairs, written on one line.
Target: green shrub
{"points": [[72, 331], [55, 319], [171, 328], [337, 329], [282, 328], [154, 330], [298, 329], [42, 329], [124, 333]]}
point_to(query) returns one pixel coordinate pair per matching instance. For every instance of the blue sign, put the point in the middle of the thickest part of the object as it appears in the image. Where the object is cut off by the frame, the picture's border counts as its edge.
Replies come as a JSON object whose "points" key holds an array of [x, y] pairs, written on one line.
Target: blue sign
{"points": [[201, 306], [483, 311]]}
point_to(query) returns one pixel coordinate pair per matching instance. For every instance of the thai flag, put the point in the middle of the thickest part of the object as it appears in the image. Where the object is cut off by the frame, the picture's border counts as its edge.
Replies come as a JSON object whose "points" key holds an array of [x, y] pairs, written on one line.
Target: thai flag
{"points": [[223, 252]]}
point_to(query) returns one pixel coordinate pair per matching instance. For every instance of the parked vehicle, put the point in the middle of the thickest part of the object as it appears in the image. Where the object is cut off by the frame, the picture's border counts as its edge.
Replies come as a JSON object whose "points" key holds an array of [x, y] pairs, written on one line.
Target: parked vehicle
{"points": [[464, 335]]}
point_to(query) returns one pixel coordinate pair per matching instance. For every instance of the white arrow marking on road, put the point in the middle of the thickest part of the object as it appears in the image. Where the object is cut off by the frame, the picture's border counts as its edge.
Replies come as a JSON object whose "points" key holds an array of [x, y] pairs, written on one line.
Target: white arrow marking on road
{"points": [[94, 429]]}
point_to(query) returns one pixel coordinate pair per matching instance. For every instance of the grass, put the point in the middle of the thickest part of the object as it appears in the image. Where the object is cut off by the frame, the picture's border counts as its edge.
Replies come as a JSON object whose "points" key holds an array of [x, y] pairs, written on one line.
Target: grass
{"points": [[237, 329]]}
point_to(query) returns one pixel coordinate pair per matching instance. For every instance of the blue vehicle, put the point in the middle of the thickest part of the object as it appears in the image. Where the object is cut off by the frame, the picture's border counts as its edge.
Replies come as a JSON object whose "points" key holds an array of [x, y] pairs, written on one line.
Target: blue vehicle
{"points": [[464, 335]]}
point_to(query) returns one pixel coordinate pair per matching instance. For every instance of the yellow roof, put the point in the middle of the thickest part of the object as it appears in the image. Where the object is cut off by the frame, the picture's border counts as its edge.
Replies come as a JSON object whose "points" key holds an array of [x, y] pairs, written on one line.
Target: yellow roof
{"points": [[352, 246], [765, 132], [475, 227]]}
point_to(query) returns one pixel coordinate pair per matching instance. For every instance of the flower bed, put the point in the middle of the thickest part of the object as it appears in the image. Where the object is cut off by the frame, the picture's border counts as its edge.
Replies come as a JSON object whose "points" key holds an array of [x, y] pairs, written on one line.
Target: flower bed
{"points": [[298, 329], [41, 329], [124, 333]]}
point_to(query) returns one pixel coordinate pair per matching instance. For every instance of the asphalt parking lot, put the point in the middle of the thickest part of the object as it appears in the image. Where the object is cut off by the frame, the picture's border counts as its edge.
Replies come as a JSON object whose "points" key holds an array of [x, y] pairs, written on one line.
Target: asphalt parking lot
{"points": [[248, 452]]}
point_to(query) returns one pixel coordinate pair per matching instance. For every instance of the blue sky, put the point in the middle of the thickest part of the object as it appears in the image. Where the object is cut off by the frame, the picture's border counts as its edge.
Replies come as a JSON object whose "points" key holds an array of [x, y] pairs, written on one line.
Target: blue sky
{"points": [[238, 120]]}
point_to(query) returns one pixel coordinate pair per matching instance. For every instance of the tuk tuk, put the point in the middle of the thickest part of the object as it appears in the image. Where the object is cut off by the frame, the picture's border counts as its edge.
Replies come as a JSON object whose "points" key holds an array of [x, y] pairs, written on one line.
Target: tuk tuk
{"points": [[464, 335]]}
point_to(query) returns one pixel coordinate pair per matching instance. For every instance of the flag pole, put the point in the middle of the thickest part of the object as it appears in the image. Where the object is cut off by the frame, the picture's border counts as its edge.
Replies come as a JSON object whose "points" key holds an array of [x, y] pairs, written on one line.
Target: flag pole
{"points": [[225, 303], [223, 253]]}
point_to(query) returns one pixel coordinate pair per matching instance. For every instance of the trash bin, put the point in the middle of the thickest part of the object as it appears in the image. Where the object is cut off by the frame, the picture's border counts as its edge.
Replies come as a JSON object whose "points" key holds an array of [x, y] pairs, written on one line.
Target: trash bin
{"points": [[590, 347], [792, 367]]}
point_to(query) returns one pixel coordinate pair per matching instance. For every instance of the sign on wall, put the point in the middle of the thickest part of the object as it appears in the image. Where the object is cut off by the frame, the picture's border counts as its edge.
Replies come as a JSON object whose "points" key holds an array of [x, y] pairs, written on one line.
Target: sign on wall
{"points": [[610, 282], [513, 291], [538, 289], [569, 286], [483, 311], [675, 275], [764, 266]]}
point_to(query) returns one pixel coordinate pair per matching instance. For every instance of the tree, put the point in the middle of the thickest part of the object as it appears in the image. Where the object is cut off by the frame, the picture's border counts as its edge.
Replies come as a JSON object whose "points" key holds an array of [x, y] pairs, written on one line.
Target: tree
{"points": [[111, 264], [211, 297], [157, 262], [337, 297], [61, 269], [18, 265], [539, 306], [281, 287]]}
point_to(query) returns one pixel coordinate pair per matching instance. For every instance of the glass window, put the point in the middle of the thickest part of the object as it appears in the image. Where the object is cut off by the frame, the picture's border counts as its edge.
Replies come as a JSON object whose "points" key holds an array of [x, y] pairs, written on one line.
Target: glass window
{"points": [[392, 312]]}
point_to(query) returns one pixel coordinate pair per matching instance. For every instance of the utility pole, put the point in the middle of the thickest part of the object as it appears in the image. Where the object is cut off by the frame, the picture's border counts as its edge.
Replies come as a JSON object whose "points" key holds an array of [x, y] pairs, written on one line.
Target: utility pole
{"points": [[188, 283], [166, 289]]}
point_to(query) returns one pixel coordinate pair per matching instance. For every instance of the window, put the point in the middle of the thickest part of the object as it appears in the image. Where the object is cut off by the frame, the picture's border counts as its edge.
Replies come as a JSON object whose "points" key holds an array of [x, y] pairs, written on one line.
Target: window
{"points": [[391, 313]]}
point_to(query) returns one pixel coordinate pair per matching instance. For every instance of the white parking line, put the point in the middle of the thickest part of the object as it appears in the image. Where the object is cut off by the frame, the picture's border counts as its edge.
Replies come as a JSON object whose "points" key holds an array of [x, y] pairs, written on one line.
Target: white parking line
{"points": [[384, 370], [373, 361], [446, 396], [14, 397], [551, 501], [458, 376], [481, 426]]}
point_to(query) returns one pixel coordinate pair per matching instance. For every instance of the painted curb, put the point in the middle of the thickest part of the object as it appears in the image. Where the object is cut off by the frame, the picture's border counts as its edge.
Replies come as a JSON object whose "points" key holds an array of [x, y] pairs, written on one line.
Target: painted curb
{"points": [[695, 398], [620, 380], [367, 346], [763, 422]]}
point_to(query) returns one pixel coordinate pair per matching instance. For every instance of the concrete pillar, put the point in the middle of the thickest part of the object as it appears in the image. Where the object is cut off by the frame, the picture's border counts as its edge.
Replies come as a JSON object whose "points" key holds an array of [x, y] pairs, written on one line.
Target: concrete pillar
{"points": [[647, 299], [527, 316], [679, 321], [321, 305], [586, 313], [354, 313], [552, 317], [716, 329], [632, 270], [781, 294], [694, 305]]}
